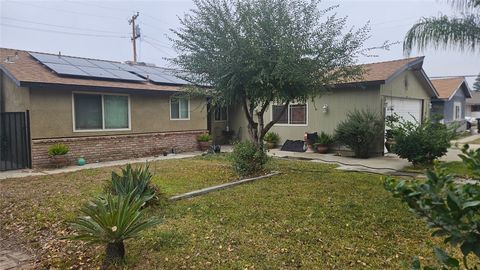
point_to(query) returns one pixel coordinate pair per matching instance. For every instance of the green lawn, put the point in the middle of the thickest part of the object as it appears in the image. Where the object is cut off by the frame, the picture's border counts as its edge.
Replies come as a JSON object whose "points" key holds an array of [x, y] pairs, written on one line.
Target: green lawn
{"points": [[310, 217], [456, 168]]}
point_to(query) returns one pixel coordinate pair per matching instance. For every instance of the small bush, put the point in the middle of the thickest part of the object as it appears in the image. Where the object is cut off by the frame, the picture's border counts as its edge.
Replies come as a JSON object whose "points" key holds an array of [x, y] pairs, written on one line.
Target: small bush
{"points": [[271, 137], [110, 220], [248, 159], [58, 149], [324, 139], [204, 137], [136, 181], [420, 143], [360, 131]]}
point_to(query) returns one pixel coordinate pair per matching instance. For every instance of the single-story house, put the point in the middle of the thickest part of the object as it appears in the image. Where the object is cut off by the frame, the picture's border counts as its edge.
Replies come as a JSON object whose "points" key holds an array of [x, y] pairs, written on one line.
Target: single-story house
{"points": [[450, 105], [103, 110], [472, 109], [399, 86]]}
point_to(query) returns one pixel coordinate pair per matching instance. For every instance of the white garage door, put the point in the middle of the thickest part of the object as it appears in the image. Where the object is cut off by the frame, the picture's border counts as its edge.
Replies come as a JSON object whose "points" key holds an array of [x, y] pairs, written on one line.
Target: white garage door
{"points": [[409, 109]]}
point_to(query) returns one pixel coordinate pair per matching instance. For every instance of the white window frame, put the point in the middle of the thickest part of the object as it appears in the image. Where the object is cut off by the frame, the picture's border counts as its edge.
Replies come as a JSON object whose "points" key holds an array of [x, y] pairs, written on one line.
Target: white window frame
{"points": [[103, 129], [455, 105], [288, 115], [170, 109]]}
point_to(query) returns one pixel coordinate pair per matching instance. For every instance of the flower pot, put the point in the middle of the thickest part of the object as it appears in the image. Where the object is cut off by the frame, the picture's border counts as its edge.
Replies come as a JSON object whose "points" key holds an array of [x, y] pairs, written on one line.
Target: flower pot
{"points": [[204, 145], [59, 161], [322, 148], [81, 161], [270, 145]]}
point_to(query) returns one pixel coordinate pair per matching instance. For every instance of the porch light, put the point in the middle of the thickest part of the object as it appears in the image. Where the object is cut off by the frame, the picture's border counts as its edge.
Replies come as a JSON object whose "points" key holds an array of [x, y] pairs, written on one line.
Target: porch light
{"points": [[325, 108]]}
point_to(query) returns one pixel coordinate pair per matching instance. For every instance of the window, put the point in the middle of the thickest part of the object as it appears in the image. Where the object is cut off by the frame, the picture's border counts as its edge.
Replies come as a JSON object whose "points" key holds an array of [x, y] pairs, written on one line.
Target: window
{"points": [[94, 112], [221, 114], [475, 108], [179, 109], [457, 113], [296, 114]]}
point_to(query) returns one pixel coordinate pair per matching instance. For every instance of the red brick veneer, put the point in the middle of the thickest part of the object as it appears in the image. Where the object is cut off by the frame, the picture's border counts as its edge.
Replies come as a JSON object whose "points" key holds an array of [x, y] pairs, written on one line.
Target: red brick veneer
{"points": [[116, 147]]}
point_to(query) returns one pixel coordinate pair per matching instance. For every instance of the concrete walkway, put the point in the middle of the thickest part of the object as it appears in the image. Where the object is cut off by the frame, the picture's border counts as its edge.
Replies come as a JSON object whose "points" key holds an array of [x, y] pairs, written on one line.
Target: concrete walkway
{"points": [[28, 173], [386, 164], [14, 260]]}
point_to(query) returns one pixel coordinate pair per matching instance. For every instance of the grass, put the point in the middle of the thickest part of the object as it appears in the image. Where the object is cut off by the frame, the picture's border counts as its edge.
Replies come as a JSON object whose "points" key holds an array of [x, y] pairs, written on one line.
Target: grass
{"points": [[311, 216], [456, 168]]}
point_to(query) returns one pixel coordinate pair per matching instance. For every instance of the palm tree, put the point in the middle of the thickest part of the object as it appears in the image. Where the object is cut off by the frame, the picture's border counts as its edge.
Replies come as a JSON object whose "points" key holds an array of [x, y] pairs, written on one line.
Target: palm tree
{"points": [[462, 32]]}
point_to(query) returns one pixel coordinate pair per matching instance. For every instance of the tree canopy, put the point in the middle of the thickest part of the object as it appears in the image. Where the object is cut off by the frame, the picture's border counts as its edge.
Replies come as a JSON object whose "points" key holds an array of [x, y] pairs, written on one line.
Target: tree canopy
{"points": [[257, 52], [476, 84], [461, 32]]}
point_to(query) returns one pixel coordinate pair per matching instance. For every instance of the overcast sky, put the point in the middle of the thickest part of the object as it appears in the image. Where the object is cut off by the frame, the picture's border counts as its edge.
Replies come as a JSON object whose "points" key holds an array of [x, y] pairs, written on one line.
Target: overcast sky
{"points": [[100, 29]]}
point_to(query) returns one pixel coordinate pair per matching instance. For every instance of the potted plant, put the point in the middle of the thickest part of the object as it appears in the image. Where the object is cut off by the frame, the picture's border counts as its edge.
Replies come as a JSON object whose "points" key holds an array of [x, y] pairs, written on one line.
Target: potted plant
{"points": [[271, 140], [57, 153], [323, 142], [204, 141]]}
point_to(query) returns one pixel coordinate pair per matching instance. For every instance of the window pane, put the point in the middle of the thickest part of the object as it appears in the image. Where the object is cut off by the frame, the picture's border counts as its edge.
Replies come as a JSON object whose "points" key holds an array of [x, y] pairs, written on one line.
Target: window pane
{"points": [[220, 113], [277, 110], [183, 108], [174, 110], [88, 111], [116, 111], [298, 114]]}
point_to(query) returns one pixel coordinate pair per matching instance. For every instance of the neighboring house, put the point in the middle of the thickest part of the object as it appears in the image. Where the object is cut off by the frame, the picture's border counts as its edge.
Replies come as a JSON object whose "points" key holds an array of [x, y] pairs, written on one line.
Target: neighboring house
{"points": [[453, 94], [399, 86], [103, 110], [472, 109]]}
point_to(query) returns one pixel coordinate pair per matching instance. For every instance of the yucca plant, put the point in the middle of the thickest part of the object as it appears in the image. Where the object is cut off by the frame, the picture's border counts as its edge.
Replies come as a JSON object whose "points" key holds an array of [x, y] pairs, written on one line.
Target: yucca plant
{"points": [[133, 180], [111, 220]]}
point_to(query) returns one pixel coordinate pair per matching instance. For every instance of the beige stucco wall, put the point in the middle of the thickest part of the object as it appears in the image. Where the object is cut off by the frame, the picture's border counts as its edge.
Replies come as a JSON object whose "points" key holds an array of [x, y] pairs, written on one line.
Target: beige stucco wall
{"points": [[407, 85], [14, 98], [51, 114], [339, 101]]}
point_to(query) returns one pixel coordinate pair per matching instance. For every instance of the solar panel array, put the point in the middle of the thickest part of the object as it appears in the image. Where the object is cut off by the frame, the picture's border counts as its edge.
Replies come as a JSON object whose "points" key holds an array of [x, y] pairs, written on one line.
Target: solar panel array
{"points": [[73, 66]]}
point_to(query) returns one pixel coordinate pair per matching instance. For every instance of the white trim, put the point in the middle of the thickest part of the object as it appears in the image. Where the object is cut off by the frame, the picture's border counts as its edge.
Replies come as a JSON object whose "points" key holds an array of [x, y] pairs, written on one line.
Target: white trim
{"points": [[288, 115], [455, 105], [170, 109], [103, 129]]}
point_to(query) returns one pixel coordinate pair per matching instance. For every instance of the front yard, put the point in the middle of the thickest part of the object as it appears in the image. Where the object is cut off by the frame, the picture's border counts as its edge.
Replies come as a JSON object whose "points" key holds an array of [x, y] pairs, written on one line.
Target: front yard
{"points": [[311, 216]]}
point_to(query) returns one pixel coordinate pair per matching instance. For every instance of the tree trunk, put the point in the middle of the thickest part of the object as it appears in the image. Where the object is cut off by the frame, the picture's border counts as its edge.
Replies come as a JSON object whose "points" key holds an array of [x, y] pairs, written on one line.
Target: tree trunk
{"points": [[114, 254]]}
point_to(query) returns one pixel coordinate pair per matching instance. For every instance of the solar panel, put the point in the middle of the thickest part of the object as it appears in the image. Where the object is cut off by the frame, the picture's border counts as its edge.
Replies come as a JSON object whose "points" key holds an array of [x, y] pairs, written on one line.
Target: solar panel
{"points": [[125, 75], [78, 62], [49, 58], [65, 65], [66, 69], [157, 75]]}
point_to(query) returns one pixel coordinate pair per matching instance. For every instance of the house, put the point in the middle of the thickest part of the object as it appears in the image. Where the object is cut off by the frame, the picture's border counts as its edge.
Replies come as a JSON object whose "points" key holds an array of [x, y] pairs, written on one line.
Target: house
{"points": [[450, 104], [472, 108], [103, 110], [399, 86]]}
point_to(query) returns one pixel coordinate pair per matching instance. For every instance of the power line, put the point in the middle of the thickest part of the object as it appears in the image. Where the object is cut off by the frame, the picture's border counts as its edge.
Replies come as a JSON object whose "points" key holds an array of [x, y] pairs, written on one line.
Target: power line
{"points": [[60, 32], [158, 42], [157, 48], [61, 26]]}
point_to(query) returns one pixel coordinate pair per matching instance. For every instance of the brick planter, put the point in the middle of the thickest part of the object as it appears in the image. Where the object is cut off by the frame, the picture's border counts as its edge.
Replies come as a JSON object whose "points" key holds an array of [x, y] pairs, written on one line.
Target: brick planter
{"points": [[117, 147]]}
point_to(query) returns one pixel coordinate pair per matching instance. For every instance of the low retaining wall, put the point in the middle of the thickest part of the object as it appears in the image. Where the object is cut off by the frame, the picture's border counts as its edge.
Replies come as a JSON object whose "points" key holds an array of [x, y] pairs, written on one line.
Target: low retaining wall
{"points": [[116, 147]]}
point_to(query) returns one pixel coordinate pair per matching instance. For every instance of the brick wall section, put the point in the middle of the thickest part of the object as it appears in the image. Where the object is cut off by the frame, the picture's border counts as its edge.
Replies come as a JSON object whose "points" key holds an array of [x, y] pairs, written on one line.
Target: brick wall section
{"points": [[117, 147]]}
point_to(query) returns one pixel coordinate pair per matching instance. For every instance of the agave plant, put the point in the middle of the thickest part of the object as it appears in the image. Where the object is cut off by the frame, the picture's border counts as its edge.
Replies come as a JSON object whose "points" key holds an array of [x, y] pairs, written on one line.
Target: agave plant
{"points": [[133, 180], [111, 220]]}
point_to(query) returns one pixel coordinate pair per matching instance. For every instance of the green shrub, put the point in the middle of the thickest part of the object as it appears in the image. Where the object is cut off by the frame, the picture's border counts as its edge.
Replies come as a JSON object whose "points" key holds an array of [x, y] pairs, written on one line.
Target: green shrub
{"points": [[58, 149], [324, 139], [204, 137], [248, 159], [271, 137], [420, 143], [450, 208], [111, 220], [136, 181], [360, 131]]}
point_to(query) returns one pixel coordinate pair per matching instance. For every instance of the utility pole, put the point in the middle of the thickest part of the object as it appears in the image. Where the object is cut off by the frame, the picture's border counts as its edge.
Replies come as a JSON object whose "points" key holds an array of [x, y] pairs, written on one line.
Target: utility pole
{"points": [[135, 35]]}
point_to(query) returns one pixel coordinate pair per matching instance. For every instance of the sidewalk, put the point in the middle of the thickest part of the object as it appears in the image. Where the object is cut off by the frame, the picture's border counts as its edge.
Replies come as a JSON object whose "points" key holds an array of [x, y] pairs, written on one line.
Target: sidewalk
{"points": [[29, 172]]}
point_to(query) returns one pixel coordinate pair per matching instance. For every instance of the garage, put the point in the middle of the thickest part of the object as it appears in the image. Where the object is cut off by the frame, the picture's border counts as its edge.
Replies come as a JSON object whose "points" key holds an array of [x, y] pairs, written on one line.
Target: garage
{"points": [[409, 109]]}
